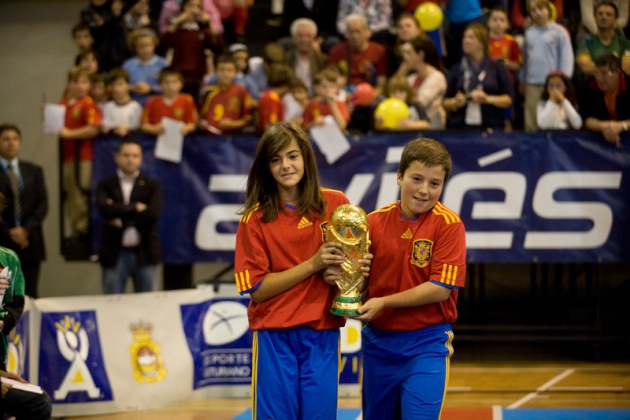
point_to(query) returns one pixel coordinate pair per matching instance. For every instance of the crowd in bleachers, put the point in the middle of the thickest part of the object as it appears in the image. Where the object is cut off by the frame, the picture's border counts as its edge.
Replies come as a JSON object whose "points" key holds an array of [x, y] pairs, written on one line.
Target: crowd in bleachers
{"points": [[365, 64]]}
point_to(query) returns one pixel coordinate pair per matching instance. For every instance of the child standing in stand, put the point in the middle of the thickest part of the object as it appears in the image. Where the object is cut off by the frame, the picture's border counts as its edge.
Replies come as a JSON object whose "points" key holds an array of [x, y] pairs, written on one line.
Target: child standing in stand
{"points": [[556, 109], [122, 114], [280, 255], [324, 102]]}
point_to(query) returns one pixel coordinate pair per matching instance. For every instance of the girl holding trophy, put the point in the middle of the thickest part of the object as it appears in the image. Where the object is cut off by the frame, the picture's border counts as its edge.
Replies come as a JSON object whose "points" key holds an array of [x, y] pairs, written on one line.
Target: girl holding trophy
{"points": [[279, 258]]}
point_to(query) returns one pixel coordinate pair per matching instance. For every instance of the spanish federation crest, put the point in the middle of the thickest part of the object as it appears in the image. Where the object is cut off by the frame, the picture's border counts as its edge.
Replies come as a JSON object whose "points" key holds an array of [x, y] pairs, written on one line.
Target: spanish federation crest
{"points": [[146, 355], [421, 255]]}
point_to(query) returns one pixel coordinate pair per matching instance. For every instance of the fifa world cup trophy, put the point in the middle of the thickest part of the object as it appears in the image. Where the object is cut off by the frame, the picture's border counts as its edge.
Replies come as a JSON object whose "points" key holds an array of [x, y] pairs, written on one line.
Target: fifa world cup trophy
{"points": [[348, 226]]}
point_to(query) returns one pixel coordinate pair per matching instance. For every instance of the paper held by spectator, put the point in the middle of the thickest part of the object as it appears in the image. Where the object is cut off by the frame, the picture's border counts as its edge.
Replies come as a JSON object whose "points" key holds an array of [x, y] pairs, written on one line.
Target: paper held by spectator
{"points": [[291, 108], [54, 118], [35, 389], [170, 144], [330, 139]]}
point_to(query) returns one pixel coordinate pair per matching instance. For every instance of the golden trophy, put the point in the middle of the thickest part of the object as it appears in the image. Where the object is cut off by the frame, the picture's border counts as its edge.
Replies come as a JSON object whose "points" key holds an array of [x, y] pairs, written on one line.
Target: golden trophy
{"points": [[348, 226]]}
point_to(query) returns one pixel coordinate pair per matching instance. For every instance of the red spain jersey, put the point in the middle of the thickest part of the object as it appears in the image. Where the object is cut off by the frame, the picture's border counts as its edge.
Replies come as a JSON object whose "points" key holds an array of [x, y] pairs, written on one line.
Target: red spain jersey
{"points": [[233, 103], [270, 109], [409, 252], [276, 246], [316, 108], [79, 114], [505, 47], [364, 66], [181, 109]]}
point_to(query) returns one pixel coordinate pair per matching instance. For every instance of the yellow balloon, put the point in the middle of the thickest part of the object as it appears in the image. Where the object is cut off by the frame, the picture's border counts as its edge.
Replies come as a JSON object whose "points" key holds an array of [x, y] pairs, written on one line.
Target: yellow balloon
{"points": [[392, 110], [554, 12], [429, 16]]}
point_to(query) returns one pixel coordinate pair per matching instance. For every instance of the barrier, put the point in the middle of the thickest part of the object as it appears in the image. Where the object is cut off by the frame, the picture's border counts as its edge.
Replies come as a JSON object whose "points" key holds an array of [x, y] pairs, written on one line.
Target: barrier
{"points": [[524, 197]]}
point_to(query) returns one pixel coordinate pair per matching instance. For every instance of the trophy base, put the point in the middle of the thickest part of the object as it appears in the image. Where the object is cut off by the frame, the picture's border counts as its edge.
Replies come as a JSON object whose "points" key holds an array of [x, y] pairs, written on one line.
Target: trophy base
{"points": [[346, 305]]}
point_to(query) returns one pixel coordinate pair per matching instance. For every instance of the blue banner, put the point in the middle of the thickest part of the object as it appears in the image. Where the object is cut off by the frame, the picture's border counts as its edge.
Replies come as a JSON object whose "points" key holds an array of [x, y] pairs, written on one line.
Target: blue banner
{"points": [[71, 364], [524, 197], [220, 342]]}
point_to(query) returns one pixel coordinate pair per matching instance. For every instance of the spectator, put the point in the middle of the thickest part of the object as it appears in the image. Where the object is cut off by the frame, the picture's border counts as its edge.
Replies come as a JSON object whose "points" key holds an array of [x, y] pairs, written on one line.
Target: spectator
{"points": [[427, 83], [361, 59], [226, 106], [122, 114], [88, 60], [324, 103], [82, 37], [557, 106], [322, 12], [408, 29], [26, 205], [234, 14], [604, 102], [81, 125], [479, 88], [378, 17], [547, 48], [399, 88], [111, 38], [259, 66], [24, 404], [193, 43], [520, 17], [240, 54], [294, 102], [170, 104], [503, 46], [589, 19], [96, 13], [136, 16], [270, 110], [130, 203], [607, 40], [171, 8], [144, 68], [98, 92], [304, 54]]}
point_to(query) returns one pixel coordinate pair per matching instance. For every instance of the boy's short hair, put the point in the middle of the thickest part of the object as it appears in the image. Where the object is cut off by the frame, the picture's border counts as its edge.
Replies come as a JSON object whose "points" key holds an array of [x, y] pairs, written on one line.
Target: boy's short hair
{"points": [[138, 33], [125, 141], [539, 3], [500, 9], [398, 83], [117, 74], [608, 60], [76, 73], [296, 83], [169, 71], [325, 75], [10, 127], [608, 3], [97, 78], [225, 58], [279, 75], [80, 27], [273, 53], [87, 53], [428, 151]]}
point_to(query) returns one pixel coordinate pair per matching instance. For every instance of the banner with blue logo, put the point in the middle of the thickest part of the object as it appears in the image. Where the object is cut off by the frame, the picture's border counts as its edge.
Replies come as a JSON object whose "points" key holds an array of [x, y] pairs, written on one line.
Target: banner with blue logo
{"points": [[220, 341], [524, 197], [71, 360]]}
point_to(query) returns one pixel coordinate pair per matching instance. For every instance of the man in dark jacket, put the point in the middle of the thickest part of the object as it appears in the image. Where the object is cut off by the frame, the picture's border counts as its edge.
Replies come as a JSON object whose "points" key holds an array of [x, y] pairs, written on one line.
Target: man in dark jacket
{"points": [[130, 203], [26, 204]]}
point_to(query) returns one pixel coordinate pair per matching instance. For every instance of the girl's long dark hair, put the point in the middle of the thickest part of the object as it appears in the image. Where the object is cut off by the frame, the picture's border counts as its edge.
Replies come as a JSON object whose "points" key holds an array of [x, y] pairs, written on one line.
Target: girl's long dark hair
{"points": [[262, 190]]}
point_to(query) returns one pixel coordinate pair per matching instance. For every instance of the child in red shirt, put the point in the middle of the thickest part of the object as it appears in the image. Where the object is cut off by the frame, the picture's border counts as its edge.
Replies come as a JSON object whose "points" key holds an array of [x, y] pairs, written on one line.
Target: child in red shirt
{"points": [[324, 103], [227, 107], [82, 121], [270, 110], [171, 104]]}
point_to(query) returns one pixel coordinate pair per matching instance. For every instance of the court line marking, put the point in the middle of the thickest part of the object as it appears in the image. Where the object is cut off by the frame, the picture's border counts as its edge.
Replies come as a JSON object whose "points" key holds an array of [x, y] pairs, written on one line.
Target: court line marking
{"points": [[497, 412], [586, 388], [542, 388]]}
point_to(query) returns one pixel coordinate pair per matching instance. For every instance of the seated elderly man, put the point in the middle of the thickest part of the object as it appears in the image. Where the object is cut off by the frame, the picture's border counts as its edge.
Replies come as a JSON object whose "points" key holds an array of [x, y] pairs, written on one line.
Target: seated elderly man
{"points": [[604, 101], [358, 57], [303, 53]]}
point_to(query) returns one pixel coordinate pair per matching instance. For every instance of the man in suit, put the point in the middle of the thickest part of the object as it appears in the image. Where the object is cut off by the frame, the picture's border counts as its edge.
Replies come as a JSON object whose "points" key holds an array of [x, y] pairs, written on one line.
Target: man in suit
{"points": [[26, 204], [130, 203]]}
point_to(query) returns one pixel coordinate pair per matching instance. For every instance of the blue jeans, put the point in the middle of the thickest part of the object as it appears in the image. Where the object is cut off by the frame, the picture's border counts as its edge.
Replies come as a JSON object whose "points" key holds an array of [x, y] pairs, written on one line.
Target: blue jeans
{"points": [[115, 278]]}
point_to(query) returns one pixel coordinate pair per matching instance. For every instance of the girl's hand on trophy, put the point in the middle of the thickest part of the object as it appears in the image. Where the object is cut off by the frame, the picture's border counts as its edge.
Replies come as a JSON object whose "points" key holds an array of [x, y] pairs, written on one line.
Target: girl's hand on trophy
{"points": [[366, 263], [369, 309], [332, 274], [329, 253]]}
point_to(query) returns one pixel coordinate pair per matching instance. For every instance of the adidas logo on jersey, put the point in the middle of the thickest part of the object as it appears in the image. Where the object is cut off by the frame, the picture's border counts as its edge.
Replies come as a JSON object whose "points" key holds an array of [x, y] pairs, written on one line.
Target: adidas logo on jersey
{"points": [[304, 222], [407, 234]]}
